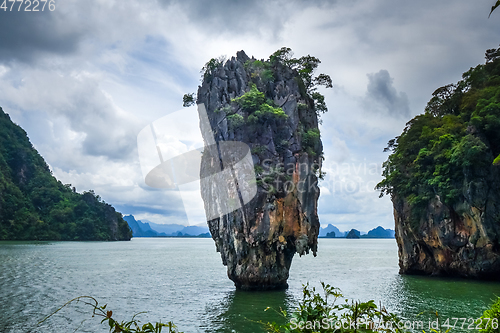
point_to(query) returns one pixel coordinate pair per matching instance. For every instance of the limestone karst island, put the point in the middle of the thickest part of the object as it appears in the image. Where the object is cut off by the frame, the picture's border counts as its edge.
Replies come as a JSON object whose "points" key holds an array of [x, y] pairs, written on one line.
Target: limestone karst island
{"points": [[270, 107]]}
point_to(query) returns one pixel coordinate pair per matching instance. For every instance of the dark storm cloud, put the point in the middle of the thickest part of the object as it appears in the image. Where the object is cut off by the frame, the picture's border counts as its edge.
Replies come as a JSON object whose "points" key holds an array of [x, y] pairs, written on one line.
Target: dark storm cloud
{"points": [[380, 90], [26, 35]]}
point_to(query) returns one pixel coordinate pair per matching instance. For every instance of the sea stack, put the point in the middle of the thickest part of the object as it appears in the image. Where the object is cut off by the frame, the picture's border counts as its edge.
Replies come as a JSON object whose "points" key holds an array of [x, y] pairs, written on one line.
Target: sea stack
{"points": [[265, 106]]}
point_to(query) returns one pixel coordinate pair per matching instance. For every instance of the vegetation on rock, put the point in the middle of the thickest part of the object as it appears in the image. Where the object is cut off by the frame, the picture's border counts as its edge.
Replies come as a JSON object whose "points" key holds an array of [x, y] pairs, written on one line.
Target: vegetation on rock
{"points": [[36, 206]]}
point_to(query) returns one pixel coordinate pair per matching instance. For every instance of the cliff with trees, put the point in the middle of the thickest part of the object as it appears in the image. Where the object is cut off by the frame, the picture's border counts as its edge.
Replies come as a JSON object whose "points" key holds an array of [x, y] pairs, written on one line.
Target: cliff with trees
{"points": [[443, 176], [36, 206]]}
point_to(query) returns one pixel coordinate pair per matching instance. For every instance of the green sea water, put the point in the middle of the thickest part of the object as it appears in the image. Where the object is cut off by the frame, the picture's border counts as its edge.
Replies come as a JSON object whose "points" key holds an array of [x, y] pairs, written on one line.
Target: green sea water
{"points": [[183, 280]]}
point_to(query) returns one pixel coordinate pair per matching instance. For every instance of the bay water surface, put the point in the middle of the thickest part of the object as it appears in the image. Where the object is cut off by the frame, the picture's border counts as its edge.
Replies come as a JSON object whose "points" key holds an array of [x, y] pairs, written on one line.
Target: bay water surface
{"points": [[183, 280]]}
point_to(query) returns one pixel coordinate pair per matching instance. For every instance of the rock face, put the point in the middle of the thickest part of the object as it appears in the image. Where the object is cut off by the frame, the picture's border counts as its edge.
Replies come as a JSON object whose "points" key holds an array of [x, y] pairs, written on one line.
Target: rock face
{"points": [[258, 240], [459, 240]]}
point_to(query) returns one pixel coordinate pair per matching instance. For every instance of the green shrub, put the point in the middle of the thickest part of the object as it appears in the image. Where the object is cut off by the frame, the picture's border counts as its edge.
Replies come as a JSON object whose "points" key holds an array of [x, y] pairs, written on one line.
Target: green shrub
{"points": [[267, 75], [310, 140], [496, 161], [131, 326], [267, 112], [258, 149], [258, 170], [188, 100], [302, 106], [259, 108], [211, 66], [235, 120], [251, 100], [491, 317], [319, 314]]}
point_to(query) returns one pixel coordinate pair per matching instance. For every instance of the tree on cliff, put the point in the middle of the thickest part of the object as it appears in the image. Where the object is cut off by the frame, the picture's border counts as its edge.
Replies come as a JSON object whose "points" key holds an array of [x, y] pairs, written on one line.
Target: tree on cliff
{"points": [[305, 66]]}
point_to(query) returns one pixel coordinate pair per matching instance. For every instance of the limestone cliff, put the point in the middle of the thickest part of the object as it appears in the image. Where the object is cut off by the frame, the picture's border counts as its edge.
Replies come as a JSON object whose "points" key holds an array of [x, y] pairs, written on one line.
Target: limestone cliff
{"points": [[444, 180], [460, 239], [266, 105]]}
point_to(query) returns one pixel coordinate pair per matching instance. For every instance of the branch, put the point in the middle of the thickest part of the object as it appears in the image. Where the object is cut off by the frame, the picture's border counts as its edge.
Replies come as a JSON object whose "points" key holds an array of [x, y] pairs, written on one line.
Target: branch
{"points": [[494, 7]]}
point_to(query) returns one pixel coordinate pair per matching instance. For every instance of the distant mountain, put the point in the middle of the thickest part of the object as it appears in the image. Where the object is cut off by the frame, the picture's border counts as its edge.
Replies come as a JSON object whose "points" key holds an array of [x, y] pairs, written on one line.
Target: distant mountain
{"points": [[168, 229], [146, 228], [353, 234], [194, 230], [380, 232], [141, 229], [324, 231]]}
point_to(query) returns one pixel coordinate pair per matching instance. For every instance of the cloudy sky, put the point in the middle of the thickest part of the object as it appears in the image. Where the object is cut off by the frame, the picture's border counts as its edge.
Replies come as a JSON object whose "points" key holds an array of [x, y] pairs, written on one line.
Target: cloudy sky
{"points": [[85, 79]]}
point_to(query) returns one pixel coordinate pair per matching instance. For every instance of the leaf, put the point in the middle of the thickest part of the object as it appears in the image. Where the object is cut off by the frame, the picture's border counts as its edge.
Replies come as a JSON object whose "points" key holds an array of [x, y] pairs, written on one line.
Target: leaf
{"points": [[494, 7]]}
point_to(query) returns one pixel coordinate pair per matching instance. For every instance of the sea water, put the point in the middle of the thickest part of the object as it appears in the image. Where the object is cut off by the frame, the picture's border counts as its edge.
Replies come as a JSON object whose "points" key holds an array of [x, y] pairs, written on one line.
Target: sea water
{"points": [[183, 280]]}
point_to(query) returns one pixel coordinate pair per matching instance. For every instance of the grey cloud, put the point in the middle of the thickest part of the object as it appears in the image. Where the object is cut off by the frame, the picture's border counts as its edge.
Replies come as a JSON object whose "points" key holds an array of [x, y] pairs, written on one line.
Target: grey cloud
{"points": [[243, 16], [380, 90], [83, 107], [73, 28], [26, 35], [107, 134], [174, 209]]}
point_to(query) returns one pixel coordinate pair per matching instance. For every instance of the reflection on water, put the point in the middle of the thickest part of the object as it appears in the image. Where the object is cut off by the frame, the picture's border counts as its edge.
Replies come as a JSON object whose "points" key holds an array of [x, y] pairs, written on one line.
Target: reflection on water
{"points": [[241, 311], [183, 280]]}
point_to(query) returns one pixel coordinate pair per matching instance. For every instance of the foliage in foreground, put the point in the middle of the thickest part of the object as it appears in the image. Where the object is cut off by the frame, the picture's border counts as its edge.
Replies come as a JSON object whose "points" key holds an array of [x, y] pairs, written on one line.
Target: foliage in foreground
{"points": [[488, 323], [131, 326], [333, 313], [315, 313]]}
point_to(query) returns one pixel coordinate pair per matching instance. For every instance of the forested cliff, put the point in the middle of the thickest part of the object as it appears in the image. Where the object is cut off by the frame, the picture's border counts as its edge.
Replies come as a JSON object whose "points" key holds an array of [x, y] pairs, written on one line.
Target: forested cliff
{"points": [[36, 206], [444, 179]]}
